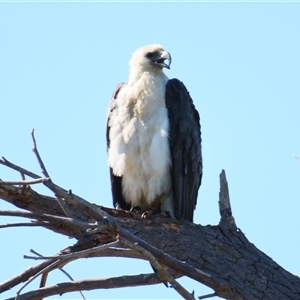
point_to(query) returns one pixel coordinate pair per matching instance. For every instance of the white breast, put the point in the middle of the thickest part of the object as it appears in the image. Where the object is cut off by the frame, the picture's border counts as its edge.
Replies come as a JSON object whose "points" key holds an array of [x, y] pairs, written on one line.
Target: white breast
{"points": [[139, 148]]}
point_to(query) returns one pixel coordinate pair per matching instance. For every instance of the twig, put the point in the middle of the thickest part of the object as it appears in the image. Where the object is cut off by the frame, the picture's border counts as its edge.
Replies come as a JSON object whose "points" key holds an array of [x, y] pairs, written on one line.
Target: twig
{"points": [[7, 163], [45, 274], [61, 269], [207, 296], [23, 176], [24, 182], [63, 206], [63, 259], [24, 224], [76, 255], [19, 278], [161, 271], [46, 269], [50, 218], [71, 278], [28, 273], [44, 171], [73, 199]]}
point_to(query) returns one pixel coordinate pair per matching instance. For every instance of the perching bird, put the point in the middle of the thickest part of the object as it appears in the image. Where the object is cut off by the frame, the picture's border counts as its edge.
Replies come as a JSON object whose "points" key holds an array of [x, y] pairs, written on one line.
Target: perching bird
{"points": [[154, 139]]}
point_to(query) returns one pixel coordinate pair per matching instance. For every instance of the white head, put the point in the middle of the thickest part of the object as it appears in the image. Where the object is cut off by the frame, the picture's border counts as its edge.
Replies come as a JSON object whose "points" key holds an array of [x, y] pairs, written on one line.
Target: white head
{"points": [[150, 59]]}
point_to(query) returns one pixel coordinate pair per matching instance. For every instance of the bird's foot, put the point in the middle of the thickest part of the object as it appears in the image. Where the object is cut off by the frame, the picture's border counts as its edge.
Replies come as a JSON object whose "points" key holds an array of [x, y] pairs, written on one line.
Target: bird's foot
{"points": [[147, 214], [135, 209]]}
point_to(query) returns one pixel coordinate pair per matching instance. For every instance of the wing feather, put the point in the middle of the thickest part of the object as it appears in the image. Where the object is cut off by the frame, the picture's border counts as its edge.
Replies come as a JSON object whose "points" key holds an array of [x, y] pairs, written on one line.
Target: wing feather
{"points": [[185, 145], [116, 181]]}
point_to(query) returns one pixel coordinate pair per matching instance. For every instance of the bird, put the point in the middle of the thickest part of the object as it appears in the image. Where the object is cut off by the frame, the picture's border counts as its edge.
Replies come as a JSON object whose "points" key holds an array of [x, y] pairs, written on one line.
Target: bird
{"points": [[153, 138]]}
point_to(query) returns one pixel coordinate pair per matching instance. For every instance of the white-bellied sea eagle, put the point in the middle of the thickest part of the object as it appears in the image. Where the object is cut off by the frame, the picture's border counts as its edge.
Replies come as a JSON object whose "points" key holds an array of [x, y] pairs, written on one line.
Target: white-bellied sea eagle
{"points": [[154, 139]]}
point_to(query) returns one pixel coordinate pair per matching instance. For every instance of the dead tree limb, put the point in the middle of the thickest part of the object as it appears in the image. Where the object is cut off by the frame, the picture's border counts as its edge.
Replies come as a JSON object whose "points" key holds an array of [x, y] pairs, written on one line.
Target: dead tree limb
{"points": [[91, 284], [218, 256]]}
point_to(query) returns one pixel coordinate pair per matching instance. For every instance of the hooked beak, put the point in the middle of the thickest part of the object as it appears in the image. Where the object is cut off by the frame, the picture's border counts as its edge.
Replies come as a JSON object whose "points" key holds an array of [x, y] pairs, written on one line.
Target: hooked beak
{"points": [[160, 61]]}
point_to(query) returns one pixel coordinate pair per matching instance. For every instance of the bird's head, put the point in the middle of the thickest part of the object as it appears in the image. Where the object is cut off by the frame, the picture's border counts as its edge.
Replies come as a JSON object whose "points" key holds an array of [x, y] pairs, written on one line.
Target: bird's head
{"points": [[150, 58]]}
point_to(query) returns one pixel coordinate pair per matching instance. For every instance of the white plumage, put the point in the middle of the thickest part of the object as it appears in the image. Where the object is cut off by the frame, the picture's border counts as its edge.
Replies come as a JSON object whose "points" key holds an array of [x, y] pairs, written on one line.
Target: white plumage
{"points": [[139, 147]]}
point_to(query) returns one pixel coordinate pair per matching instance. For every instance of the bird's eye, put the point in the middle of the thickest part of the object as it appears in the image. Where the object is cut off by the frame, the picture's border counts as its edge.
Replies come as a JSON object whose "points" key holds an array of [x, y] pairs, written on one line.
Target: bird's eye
{"points": [[150, 54]]}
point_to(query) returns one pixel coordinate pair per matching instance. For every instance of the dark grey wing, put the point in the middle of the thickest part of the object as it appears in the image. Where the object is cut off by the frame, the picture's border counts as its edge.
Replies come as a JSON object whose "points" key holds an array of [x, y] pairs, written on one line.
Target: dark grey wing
{"points": [[185, 146], [116, 181]]}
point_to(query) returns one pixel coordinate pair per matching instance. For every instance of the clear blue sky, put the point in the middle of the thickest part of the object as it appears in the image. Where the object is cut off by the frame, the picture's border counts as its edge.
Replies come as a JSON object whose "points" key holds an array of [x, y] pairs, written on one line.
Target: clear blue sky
{"points": [[59, 64]]}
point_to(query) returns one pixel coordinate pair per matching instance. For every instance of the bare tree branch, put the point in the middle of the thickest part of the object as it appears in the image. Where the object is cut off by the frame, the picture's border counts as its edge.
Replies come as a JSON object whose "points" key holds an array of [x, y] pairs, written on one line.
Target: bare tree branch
{"points": [[73, 199], [23, 171], [207, 296], [24, 276], [51, 219], [63, 258], [218, 256], [28, 273], [24, 224], [45, 270], [91, 284], [61, 269], [24, 182], [44, 171], [58, 261]]}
